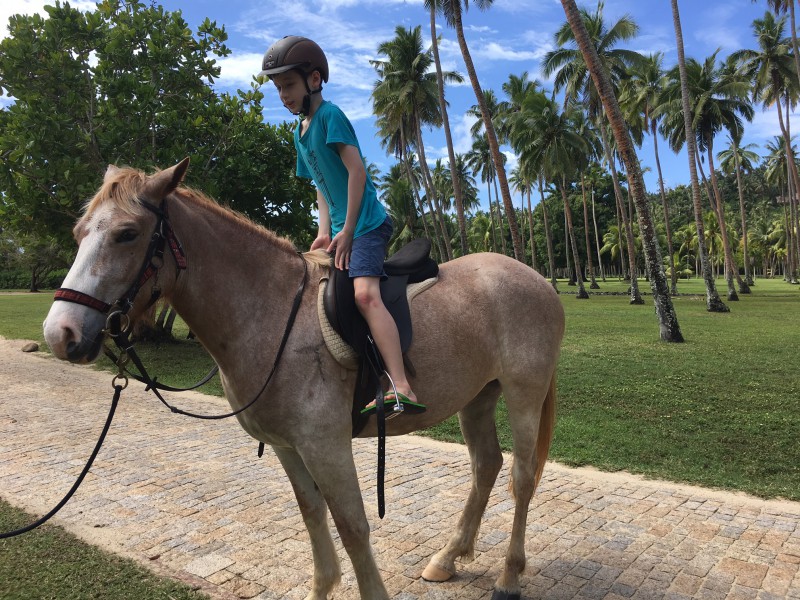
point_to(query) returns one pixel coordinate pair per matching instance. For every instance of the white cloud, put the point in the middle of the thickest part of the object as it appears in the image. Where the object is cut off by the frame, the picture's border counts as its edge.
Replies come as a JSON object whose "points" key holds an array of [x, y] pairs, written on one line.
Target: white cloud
{"points": [[237, 70], [494, 51]]}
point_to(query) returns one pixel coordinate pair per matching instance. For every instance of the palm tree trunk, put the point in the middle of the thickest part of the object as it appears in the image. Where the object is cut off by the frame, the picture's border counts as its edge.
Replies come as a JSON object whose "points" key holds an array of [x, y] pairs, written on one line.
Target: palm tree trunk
{"points": [[491, 215], [597, 240], [748, 277], [713, 301], [795, 228], [627, 229], [567, 245], [665, 206], [733, 270], [436, 213], [500, 220], [490, 134], [549, 237], [790, 160], [530, 230], [457, 193], [415, 187], [669, 329], [593, 285], [582, 295]]}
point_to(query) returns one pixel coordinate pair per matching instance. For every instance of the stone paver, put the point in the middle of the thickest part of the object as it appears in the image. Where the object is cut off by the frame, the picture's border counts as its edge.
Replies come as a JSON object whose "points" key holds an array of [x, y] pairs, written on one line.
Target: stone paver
{"points": [[192, 499]]}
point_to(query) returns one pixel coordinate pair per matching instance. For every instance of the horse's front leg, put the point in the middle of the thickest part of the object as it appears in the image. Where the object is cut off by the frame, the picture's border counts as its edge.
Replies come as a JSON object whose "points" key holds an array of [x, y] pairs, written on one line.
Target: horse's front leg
{"points": [[332, 467], [327, 572]]}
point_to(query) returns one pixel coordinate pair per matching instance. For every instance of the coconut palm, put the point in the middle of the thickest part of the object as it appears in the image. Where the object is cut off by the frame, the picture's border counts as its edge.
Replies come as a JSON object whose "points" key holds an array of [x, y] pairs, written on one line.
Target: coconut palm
{"points": [[407, 87], [719, 96], [479, 159], [774, 80], [433, 7], [642, 94], [523, 184], [453, 11], [713, 301], [546, 137], [397, 195], [736, 159], [781, 7], [669, 329], [572, 75]]}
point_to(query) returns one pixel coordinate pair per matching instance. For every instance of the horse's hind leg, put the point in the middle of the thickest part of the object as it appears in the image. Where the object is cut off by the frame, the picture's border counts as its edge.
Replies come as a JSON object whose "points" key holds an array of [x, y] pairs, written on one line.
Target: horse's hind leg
{"points": [[478, 426], [327, 571], [531, 412]]}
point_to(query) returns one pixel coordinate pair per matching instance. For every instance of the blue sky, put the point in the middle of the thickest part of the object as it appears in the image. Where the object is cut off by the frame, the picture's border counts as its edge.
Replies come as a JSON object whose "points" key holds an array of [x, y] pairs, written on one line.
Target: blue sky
{"points": [[510, 38]]}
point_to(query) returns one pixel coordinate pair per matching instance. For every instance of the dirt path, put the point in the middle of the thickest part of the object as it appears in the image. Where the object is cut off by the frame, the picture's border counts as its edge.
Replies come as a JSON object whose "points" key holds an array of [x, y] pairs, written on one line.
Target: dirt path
{"points": [[192, 499]]}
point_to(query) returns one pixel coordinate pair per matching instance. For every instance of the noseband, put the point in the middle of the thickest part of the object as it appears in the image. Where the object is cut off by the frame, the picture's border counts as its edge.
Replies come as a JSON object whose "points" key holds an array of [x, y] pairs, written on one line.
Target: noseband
{"points": [[163, 234]]}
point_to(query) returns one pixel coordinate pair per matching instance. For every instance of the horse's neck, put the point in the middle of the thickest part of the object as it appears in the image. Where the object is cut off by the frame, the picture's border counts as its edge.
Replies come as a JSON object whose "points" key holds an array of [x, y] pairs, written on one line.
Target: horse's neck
{"points": [[238, 285]]}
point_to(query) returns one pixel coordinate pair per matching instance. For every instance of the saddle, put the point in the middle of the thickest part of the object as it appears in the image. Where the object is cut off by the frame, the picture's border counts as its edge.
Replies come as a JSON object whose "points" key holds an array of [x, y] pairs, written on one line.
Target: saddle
{"points": [[411, 264]]}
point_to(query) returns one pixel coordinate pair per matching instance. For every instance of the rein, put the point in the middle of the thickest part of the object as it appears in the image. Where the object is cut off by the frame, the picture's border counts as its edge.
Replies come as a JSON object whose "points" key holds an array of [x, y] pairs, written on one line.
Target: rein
{"points": [[163, 233]]}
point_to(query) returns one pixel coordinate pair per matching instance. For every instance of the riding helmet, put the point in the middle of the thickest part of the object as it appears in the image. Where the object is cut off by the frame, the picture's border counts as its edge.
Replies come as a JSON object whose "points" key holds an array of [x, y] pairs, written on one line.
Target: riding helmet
{"points": [[295, 52]]}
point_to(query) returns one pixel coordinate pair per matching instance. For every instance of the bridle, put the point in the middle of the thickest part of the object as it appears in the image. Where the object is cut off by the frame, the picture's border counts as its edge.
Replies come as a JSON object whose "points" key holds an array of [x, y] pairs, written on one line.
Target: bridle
{"points": [[154, 260], [163, 234]]}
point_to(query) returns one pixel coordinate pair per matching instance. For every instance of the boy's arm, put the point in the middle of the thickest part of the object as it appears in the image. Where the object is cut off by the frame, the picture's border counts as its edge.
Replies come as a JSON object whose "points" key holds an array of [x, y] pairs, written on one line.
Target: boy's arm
{"points": [[324, 234], [356, 180]]}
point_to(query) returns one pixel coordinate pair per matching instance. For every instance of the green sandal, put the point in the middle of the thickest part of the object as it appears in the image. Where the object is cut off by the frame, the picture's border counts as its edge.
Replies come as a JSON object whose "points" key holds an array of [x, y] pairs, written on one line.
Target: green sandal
{"points": [[413, 408]]}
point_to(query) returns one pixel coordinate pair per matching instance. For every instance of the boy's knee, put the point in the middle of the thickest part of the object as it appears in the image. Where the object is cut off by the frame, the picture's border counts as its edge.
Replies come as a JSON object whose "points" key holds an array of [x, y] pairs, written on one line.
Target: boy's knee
{"points": [[366, 299]]}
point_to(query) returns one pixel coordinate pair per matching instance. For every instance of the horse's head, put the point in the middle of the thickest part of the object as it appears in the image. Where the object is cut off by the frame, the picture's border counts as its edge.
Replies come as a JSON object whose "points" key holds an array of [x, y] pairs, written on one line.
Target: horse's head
{"points": [[116, 236]]}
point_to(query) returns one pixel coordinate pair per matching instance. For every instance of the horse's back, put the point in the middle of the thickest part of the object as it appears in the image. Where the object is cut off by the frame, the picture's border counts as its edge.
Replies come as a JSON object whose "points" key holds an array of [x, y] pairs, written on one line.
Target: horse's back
{"points": [[488, 314]]}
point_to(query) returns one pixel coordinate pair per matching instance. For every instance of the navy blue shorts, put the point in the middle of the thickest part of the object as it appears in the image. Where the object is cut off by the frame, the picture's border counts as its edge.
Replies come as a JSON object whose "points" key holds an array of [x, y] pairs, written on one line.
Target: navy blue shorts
{"points": [[369, 251]]}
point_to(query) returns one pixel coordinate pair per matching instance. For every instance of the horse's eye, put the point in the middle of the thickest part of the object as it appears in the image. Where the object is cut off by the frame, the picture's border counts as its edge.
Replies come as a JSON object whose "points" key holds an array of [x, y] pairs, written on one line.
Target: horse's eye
{"points": [[127, 235]]}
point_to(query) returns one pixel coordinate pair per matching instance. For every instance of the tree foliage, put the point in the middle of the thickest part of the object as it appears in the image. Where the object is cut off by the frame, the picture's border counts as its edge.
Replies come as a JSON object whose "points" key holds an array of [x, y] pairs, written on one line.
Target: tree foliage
{"points": [[131, 84]]}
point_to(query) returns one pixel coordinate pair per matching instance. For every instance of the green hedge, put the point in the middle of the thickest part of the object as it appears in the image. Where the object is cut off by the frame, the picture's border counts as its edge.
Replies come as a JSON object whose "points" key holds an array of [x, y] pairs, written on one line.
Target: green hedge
{"points": [[20, 279]]}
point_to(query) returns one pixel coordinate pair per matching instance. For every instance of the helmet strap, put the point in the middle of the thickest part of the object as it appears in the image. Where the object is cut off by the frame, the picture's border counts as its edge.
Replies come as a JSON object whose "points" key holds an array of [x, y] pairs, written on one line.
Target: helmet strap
{"points": [[306, 108]]}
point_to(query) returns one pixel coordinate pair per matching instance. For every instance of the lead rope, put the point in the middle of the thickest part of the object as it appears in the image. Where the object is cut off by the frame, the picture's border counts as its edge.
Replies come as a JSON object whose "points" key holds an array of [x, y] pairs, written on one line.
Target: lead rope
{"points": [[120, 382], [114, 402]]}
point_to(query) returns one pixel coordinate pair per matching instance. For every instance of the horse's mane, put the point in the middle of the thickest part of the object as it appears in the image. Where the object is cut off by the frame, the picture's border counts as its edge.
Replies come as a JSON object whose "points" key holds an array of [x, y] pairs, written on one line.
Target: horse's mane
{"points": [[123, 190]]}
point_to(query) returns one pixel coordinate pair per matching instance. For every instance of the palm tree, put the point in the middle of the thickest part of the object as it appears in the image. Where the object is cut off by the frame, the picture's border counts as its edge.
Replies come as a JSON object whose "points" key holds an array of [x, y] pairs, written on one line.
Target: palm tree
{"points": [[397, 195], [572, 75], [780, 7], [433, 6], [407, 89], [719, 101], [523, 184], [774, 80], [669, 328], [546, 138], [777, 174], [735, 159], [713, 301], [452, 10], [479, 159], [642, 93]]}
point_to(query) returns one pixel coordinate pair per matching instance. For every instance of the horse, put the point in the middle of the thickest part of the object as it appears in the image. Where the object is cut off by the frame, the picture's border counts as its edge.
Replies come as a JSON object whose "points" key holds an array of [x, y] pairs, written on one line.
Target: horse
{"points": [[490, 325]]}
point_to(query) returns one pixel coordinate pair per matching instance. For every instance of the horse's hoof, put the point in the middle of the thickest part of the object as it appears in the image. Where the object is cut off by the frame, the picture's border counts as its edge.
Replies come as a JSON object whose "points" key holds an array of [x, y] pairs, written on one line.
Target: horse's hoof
{"points": [[498, 595], [436, 574]]}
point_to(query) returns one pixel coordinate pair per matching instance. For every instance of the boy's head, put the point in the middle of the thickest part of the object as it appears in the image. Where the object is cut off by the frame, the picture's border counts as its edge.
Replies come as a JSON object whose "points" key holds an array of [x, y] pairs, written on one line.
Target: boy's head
{"points": [[295, 54]]}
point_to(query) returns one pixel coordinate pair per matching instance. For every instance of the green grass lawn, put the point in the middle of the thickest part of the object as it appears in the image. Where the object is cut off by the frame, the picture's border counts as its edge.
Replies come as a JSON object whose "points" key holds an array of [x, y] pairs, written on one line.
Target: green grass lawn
{"points": [[721, 410]]}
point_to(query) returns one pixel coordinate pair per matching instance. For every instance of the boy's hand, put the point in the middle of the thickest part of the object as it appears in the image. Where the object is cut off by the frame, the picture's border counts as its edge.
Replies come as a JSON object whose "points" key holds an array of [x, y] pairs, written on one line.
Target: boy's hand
{"points": [[322, 241], [342, 244]]}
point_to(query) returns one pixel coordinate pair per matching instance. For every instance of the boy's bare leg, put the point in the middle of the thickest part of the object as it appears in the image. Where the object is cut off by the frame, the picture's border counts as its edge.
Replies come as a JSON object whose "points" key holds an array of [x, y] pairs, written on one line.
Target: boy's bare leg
{"points": [[384, 331]]}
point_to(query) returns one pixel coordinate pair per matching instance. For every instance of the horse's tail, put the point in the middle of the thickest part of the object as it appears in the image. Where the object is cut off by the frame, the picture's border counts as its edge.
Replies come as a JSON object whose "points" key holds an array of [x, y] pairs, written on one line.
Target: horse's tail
{"points": [[547, 421]]}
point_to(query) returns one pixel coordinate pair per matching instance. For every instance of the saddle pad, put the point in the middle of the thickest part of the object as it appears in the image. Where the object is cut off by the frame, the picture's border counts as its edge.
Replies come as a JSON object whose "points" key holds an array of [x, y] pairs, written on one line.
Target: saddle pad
{"points": [[341, 350]]}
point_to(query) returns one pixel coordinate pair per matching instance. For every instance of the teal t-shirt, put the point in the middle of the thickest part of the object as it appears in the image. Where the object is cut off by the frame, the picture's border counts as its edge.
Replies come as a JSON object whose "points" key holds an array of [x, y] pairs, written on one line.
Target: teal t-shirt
{"points": [[318, 159]]}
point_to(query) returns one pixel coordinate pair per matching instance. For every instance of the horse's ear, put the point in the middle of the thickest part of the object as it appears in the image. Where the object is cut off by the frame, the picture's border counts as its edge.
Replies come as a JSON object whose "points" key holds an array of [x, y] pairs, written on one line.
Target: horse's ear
{"points": [[164, 182], [110, 172]]}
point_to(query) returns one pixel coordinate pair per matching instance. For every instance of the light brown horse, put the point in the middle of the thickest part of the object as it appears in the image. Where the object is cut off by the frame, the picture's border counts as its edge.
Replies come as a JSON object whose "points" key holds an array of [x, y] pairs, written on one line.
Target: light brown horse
{"points": [[490, 325]]}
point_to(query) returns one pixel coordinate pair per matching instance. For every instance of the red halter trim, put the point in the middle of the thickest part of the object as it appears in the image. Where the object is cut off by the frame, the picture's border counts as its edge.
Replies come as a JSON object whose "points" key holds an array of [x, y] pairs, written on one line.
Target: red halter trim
{"points": [[77, 297]]}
